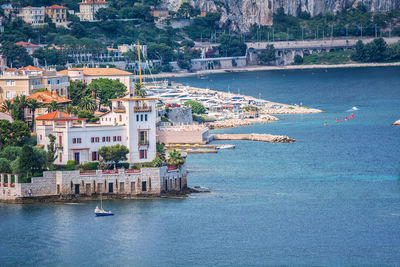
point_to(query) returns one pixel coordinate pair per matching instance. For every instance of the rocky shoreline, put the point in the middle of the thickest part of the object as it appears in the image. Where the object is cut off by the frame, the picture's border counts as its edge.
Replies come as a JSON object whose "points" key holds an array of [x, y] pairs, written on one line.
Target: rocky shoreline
{"points": [[240, 122], [255, 137]]}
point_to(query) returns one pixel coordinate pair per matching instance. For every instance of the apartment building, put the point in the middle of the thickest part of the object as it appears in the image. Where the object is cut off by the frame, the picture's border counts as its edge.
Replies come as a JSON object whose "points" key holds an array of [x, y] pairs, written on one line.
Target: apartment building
{"points": [[58, 14], [89, 8], [32, 15], [27, 80]]}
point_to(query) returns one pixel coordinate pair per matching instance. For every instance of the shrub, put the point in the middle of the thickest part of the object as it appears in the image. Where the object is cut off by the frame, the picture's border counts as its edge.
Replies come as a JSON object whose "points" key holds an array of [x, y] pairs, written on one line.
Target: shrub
{"points": [[157, 162], [5, 166], [298, 60], [89, 166], [70, 165]]}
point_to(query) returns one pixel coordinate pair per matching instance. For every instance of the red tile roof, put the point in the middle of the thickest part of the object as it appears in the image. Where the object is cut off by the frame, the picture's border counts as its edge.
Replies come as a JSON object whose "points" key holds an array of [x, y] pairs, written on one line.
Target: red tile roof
{"points": [[46, 97], [31, 68], [26, 44], [54, 115], [56, 6], [98, 71]]}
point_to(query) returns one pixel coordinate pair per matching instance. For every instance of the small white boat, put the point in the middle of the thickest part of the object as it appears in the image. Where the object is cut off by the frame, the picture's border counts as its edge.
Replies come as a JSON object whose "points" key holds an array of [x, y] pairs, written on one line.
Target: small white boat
{"points": [[100, 211]]}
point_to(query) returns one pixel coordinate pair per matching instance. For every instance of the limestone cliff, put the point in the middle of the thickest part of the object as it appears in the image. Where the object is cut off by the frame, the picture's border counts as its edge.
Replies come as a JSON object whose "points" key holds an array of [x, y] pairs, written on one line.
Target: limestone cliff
{"points": [[240, 14]]}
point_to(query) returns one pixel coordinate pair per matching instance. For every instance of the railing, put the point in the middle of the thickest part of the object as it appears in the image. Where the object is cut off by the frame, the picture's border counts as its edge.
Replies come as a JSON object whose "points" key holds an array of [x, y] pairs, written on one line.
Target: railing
{"points": [[143, 143], [110, 171], [59, 146], [142, 109], [87, 172], [119, 109], [6, 185], [133, 171]]}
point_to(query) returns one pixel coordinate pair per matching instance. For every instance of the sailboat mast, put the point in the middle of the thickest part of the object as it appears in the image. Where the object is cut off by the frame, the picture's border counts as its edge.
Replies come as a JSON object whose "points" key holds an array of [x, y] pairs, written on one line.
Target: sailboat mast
{"points": [[140, 71]]}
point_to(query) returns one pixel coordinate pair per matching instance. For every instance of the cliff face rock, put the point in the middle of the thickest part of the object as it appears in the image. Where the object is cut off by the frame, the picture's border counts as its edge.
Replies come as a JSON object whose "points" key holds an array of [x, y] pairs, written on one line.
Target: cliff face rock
{"points": [[238, 15]]}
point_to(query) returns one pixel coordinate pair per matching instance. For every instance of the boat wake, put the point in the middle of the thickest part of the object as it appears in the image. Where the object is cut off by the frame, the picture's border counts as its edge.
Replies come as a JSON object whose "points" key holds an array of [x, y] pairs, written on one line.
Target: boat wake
{"points": [[353, 109]]}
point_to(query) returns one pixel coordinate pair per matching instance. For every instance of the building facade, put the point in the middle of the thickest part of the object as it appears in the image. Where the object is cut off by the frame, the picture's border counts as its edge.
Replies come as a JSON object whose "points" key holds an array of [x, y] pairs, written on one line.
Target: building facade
{"points": [[32, 15], [131, 122], [58, 14], [87, 75], [89, 8], [27, 80]]}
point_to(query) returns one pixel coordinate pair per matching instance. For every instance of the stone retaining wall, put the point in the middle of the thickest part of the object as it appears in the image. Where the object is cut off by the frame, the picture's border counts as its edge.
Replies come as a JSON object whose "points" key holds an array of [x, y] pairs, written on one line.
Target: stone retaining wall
{"points": [[146, 181]]}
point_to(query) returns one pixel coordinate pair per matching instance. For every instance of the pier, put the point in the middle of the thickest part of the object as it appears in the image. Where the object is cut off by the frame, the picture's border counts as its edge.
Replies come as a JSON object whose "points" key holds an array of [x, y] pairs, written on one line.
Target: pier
{"points": [[255, 137]]}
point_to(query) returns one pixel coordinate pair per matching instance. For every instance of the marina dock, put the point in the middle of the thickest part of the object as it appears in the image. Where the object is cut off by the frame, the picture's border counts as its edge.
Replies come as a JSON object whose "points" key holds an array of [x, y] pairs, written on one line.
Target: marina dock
{"points": [[255, 137]]}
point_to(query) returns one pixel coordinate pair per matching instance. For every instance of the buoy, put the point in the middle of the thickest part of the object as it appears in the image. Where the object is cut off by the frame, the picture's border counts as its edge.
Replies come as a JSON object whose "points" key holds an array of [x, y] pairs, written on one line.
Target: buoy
{"points": [[325, 123], [345, 118]]}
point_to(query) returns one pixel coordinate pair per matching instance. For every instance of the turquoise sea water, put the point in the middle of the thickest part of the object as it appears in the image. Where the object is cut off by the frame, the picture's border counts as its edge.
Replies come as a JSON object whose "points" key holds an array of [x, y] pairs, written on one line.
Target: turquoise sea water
{"points": [[332, 198]]}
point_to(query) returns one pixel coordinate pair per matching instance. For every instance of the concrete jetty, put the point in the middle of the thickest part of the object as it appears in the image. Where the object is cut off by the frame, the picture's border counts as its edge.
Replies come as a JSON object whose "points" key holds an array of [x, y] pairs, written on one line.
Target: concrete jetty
{"points": [[396, 122], [255, 137], [240, 122]]}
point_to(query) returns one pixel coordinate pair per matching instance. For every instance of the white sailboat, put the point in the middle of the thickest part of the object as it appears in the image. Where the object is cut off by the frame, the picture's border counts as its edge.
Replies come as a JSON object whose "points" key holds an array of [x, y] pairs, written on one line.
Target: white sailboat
{"points": [[100, 211]]}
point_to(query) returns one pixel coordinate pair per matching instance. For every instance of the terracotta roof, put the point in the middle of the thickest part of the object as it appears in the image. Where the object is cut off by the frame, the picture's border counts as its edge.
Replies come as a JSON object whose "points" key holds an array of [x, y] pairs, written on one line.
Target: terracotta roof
{"points": [[46, 97], [26, 44], [11, 69], [87, 2], [56, 6], [98, 71], [54, 115], [31, 68]]}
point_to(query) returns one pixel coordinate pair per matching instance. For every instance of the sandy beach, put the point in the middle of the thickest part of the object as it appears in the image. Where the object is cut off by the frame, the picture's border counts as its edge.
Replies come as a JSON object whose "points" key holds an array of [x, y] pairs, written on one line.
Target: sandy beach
{"points": [[260, 68]]}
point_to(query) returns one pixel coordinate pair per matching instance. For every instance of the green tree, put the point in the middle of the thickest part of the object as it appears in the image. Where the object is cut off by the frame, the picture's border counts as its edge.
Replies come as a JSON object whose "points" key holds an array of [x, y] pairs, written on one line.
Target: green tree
{"points": [[50, 57], [130, 56], [175, 158], [69, 109], [52, 106], [11, 152], [267, 55], [160, 148], [106, 13], [139, 90], [39, 160], [5, 166], [51, 154], [114, 154], [20, 133], [77, 90], [25, 162], [298, 60], [7, 106], [18, 108], [88, 103], [156, 163], [84, 114], [33, 105], [187, 11], [359, 54], [231, 46], [107, 89], [161, 51], [5, 133], [16, 56], [197, 108]]}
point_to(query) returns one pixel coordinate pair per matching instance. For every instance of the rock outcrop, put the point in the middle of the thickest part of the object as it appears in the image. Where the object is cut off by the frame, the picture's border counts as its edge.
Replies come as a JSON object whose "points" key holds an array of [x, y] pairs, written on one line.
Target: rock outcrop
{"points": [[238, 15]]}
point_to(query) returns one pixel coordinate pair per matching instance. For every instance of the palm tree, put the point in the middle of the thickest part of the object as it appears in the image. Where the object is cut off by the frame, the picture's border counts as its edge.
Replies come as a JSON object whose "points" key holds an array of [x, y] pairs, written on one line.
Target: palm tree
{"points": [[88, 103], [53, 106], [33, 104], [18, 108], [7, 106], [75, 110], [175, 158], [139, 91], [69, 108]]}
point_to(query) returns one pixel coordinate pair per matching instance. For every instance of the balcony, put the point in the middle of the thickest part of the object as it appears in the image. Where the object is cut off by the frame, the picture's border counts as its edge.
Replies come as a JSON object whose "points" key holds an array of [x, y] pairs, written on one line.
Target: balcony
{"points": [[143, 143], [119, 109], [59, 146], [142, 109]]}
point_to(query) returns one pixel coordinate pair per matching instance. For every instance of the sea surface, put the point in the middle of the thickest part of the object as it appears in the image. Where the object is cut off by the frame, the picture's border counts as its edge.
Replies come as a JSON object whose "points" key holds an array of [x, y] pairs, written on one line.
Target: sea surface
{"points": [[330, 199]]}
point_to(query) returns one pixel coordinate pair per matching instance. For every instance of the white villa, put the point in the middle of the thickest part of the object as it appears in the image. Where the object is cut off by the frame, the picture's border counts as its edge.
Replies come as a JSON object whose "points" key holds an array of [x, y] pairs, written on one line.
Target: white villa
{"points": [[131, 122]]}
